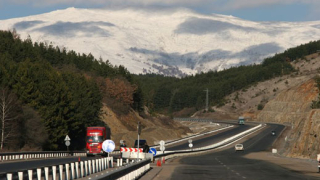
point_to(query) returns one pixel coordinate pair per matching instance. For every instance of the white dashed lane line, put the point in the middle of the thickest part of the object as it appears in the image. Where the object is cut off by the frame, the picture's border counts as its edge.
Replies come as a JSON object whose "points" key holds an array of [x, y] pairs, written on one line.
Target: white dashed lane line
{"points": [[243, 177]]}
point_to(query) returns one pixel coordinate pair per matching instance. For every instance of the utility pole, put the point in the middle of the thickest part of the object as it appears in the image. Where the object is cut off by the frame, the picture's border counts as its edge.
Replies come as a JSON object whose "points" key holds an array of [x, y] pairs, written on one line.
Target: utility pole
{"points": [[207, 99]]}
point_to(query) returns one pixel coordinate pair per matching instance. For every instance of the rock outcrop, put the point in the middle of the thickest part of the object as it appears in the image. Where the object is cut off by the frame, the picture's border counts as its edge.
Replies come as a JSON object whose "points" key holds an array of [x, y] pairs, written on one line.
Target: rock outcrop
{"points": [[292, 107]]}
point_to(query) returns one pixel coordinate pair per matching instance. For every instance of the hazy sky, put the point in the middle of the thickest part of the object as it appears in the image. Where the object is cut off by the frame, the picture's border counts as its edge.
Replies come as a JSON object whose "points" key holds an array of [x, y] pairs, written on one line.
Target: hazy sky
{"points": [[256, 10]]}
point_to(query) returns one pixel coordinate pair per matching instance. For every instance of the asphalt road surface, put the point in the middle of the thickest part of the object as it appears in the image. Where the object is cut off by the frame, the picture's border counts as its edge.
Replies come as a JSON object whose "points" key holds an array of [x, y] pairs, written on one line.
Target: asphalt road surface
{"points": [[230, 165], [209, 139]]}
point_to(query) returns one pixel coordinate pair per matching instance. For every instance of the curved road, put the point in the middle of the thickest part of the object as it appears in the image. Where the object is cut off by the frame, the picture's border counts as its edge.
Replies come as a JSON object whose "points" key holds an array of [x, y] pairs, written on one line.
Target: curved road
{"points": [[228, 164]]}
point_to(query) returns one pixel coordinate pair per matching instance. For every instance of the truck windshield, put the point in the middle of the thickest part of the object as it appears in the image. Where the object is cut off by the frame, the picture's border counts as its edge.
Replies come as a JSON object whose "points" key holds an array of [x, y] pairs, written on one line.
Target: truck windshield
{"points": [[94, 139]]}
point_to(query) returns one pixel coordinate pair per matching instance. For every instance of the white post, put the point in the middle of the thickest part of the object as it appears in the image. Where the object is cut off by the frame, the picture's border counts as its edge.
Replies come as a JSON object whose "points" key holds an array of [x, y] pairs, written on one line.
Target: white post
{"points": [[77, 170], [81, 169], [67, 172], [39, 173], [86, 168], [72, 171], [30, 174], [9, 176], [97, 165], [121, 162], [118, 162], [20, 175], [46, 173], [54, 173], [60, 172], [89, 163], [93, 167]]}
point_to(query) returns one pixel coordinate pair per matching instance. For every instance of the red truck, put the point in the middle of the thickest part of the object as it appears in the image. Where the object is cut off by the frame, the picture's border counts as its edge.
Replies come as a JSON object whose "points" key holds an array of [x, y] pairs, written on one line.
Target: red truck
{"points": [[94, 139]]}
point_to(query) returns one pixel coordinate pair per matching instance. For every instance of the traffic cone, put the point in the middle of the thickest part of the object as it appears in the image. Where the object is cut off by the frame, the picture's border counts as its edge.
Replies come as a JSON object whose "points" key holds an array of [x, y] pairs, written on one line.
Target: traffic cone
{"points": [[158, 162], [163, 160]]}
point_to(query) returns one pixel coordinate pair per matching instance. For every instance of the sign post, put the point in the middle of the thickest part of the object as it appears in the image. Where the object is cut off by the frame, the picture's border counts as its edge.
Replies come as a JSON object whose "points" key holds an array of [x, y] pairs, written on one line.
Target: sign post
{"points": [[190, 144], [162, 148], [67, 141], [139, 132]]}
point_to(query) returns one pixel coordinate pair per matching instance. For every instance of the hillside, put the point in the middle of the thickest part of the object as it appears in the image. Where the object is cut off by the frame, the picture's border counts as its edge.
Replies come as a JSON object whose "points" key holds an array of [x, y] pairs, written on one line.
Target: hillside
{"points": [[286, 100], [173, 42]]}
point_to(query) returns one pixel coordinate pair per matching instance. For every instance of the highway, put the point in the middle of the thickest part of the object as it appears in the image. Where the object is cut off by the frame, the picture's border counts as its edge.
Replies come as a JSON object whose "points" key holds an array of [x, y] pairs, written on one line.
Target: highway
{"points": [[231, 165], [209, 139]]}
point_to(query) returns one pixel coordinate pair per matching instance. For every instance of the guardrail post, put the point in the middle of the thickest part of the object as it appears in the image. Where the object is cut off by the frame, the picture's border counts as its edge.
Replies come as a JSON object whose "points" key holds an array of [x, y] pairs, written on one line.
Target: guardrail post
{"points": [[77, 170], [81, 169], [102, 164], [127, 161], [30, 174], [93, 167], [9, 176], [97, 165], [72, 171], [121, 162], [20, 175], [60, 172], [67, 172], [111, 162], [39, 173], [86, 168], [100, 167], [106, 163], [118, 162], [54, 173], [89, 163], [46, 173]]}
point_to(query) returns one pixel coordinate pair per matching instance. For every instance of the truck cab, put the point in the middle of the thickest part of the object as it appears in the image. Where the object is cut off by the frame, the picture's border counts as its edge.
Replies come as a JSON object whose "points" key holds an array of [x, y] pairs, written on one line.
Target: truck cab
{"points": [[94, 139], [241, 120]]}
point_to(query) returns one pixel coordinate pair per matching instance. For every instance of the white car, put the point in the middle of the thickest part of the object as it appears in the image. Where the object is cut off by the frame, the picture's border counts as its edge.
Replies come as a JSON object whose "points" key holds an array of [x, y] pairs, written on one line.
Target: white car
{"points": [[238, 147]]}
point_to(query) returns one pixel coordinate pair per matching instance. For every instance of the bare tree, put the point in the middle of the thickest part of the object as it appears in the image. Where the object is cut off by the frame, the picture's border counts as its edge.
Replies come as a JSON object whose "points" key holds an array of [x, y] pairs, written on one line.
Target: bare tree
{"points": [[8, 115]]}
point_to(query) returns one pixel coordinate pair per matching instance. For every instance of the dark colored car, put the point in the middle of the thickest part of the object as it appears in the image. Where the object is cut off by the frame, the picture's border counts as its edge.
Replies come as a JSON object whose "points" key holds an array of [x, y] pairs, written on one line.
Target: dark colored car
{"points": [[142, 143]]}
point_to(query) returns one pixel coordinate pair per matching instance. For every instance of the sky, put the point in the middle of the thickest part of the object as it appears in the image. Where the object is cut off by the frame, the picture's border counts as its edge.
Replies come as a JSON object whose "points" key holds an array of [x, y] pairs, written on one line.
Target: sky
{"points": [[254, 10]]}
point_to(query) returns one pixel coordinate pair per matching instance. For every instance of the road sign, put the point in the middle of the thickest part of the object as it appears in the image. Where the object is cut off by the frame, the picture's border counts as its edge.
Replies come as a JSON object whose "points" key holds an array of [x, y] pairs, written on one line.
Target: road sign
{"points": [[108, 145], [190, 141], [67, 138], [162, 142], [153, 151], [67, 143], [190, 145], [162, 148]]}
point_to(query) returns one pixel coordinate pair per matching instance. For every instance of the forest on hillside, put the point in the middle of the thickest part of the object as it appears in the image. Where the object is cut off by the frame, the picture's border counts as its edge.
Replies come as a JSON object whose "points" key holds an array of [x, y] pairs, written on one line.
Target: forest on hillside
{"points": [[47, 92], [169, 95]]}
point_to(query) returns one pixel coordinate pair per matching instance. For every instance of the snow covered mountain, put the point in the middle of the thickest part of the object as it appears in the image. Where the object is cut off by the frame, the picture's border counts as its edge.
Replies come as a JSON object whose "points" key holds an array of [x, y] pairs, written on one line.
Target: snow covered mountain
{"points": [[170, 42]]}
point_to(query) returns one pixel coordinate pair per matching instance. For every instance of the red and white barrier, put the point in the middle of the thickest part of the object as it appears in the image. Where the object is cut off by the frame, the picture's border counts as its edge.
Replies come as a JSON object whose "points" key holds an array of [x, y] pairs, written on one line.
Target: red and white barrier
{"points": [[124, 149]]}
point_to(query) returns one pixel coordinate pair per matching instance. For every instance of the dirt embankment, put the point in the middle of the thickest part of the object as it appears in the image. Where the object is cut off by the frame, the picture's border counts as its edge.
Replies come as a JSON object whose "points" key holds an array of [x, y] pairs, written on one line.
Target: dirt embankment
{"points": [[154, 129]]}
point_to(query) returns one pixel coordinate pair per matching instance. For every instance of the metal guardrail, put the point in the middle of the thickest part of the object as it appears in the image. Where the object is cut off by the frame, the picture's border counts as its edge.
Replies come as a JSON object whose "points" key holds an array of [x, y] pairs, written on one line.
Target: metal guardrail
{"points": [[67, 171], [131, 171], [7, 156]]}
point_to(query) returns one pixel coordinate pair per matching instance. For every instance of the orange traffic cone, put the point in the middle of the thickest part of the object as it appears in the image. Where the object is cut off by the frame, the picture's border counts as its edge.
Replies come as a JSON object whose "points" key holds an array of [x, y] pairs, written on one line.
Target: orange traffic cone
{"points": [[163, 160], [158, 162]]}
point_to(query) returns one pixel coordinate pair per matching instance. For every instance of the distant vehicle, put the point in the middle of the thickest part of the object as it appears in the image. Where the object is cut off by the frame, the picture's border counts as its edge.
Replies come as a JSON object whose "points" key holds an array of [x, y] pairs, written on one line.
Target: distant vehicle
{"points": [[241, 120], [94, 139], [142, 143], [273, 133], [238, 147]]}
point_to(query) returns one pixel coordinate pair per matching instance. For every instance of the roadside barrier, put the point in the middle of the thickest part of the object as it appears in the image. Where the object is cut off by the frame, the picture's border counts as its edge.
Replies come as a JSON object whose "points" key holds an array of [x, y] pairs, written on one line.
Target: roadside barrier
{"points": [[68, 171], [41, 155]]}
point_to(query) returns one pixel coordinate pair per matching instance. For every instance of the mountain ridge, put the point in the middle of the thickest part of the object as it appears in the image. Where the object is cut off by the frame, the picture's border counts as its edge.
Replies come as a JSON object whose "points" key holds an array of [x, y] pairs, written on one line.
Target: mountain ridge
{"points": [[174, 43]]}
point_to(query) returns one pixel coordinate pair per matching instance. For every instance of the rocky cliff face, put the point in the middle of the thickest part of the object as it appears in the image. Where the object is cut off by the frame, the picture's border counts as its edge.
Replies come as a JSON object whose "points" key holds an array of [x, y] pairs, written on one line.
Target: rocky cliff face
{"points": [[293, 108]]}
